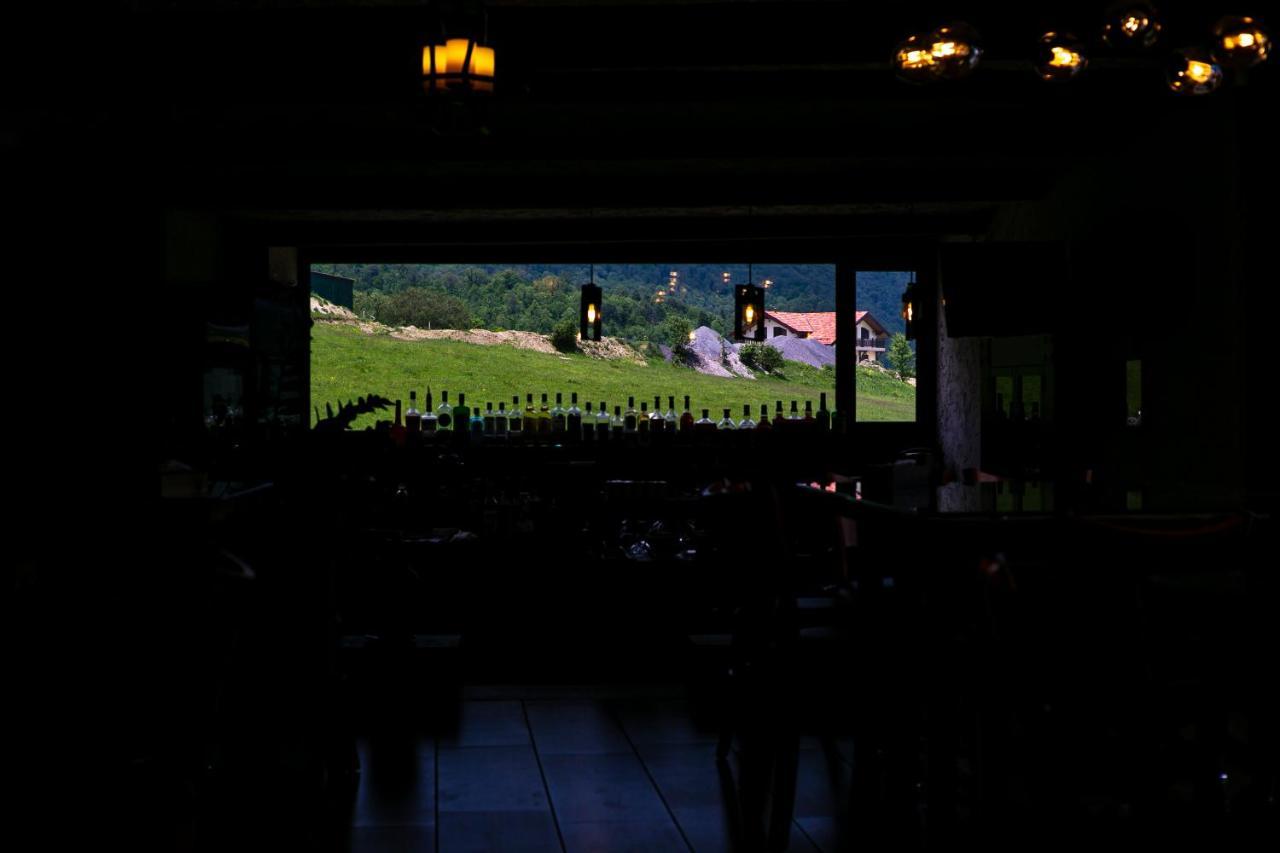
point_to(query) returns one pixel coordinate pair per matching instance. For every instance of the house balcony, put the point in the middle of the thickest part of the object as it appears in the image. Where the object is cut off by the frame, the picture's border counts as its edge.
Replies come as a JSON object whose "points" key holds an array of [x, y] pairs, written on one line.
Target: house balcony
{"points": [[871, 344]]}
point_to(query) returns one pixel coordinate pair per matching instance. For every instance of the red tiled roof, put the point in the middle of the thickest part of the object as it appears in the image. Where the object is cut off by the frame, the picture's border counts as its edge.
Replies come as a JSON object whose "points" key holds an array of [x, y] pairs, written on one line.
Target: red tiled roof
{"points": [[820, 325]]}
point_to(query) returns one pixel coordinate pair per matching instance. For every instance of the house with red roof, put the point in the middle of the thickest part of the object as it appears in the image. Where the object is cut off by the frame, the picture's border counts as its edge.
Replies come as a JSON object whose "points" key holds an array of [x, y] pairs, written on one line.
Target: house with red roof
{"points": [[873, 338]]}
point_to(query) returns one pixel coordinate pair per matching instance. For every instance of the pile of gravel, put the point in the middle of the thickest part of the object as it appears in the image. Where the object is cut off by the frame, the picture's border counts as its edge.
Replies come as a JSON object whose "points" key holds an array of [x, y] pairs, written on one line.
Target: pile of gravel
{"points": [[807, 350], [712, 354]]}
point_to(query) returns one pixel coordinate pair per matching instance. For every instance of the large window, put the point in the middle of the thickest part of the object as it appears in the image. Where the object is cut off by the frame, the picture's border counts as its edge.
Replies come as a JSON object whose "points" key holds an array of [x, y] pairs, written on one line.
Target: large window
{"points": [[884, 360], [499, 333]]}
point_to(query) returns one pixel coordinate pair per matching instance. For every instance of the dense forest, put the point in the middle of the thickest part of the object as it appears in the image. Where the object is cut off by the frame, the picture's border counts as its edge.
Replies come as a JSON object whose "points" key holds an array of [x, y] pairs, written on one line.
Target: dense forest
{"points": [[537, 297]]}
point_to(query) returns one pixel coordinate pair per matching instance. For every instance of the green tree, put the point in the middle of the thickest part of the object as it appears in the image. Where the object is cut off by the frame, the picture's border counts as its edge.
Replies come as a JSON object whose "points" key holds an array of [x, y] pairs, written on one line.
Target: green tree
{"points": [[564, 336], [761, 357], [425, 309], [901, 357], [675, 334]]}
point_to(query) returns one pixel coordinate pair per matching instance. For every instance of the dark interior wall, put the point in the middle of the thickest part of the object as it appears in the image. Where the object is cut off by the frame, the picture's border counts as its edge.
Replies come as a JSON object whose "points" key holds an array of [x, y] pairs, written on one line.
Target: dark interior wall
{"points": [[1154, 242]]}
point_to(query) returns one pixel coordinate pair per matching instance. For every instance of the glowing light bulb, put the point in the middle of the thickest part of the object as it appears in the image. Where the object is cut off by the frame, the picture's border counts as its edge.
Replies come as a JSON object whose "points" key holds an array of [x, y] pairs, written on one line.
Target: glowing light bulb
{"points": [[1200, 72], [1191, 71], [1059, 56], [1131, 24], [1240, 41], [591, 313], [749, 315]]}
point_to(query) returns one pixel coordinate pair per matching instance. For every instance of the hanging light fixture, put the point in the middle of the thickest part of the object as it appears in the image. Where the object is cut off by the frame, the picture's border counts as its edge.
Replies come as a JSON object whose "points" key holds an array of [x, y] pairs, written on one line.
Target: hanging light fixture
{"points": [[1192, 71], [458, 65], [910, 307], [590, 326], [1240, 41], [1130, 25], [1059, 56], [948, 53], [748, 314]]}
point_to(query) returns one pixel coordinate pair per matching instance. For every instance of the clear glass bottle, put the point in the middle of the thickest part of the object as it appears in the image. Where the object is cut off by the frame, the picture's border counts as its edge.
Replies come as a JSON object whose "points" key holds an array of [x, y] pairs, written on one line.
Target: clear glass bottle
{"points": [[795, 413], [412, 417], [642, 419], [444, 413], [573, 417], [502, 422], [477, 420], [704, 423], [515, 417], [603, 421], [558, 414], [746, 422], [490, 420], [544, 416], [672, 419], [726, 422], [778, 419], [618, 424]]}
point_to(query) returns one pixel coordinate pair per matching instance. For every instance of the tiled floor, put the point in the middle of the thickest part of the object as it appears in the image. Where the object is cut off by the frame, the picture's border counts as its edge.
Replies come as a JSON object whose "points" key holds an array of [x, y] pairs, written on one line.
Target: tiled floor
{"points": [[573, 773]]}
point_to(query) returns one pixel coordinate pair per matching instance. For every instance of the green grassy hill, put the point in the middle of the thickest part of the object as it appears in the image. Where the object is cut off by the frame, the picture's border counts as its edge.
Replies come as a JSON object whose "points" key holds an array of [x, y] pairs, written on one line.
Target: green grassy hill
{"points": [[347, 363]]}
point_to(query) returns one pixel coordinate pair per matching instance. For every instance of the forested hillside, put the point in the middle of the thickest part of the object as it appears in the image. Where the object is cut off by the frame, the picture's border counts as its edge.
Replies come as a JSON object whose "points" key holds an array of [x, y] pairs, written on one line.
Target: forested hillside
{"points": [[536, 297]]}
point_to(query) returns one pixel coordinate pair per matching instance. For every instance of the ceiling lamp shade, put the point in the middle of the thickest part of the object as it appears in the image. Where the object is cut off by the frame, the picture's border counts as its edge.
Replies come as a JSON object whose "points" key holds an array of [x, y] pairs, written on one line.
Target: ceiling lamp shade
{"points": [[948, 53], [748, 313], [1131, 25], [458, 65], [1192, 71], [589, 322], [1059, 56], [1240, 41]]}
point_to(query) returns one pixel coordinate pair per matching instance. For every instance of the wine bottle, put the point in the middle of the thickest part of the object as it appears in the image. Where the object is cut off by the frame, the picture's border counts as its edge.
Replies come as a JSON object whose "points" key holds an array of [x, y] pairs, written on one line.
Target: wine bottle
{"points": [[558, 415], [704, 423], [429, 419], [489, 423], [726, 422], [809, 422], [823, 418], [397, 428], [444, 414], [657, 423], [778, 419], [746, 422], [603, 422], [795, 413], [515, 417], [412, 417], [573, 417], [764, 417], [461, 415], [629, 420], [686, 419]]}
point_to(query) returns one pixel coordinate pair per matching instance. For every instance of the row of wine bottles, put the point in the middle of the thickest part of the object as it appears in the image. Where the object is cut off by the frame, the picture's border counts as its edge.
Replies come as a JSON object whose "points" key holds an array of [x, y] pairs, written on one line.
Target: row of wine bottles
{"points": [[573, 422]]}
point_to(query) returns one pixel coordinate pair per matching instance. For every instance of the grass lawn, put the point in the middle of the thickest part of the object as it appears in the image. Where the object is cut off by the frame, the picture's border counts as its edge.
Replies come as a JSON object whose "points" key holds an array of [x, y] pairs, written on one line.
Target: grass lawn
{"points": [[346, 363]]}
